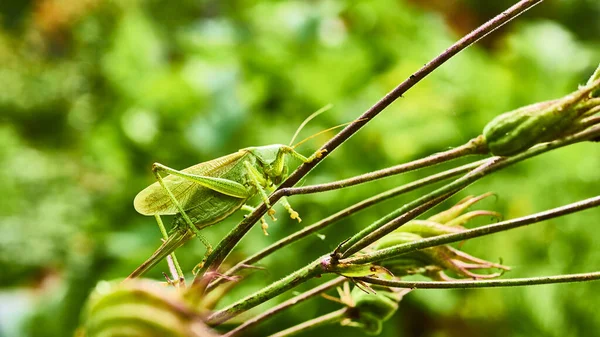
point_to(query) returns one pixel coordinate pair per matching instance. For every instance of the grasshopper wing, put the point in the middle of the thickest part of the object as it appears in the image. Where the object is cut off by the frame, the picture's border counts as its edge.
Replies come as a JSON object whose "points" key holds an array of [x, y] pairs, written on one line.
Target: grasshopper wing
{"points": [[155, 200]]}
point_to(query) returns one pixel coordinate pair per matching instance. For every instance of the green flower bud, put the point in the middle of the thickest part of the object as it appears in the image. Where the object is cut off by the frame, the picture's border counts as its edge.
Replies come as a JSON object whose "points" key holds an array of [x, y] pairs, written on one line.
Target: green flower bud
{"points": [[396, 238], [520, 129], [453, 212], [357, 270], [382, 305], [434, 261], [461, 263], [409, 264], [463, 219], [369, 324], [426, 228], [368, 311]]}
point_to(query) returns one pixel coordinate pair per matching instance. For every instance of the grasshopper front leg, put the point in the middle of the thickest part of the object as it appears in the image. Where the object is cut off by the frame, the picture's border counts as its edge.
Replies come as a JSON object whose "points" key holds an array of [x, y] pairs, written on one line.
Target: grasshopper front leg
{"points": [[258, 182], [284, 202], [314, 156]]}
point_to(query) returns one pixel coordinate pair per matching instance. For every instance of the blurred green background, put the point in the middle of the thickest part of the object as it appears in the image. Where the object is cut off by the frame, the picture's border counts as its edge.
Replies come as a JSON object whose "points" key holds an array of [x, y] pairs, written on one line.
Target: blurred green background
{"points": [[93, 92]]}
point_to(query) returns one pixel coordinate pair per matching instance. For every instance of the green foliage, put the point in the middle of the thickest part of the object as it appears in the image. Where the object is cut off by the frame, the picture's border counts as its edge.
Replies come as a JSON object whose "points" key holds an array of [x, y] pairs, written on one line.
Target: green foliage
{"points": [[93, 92], [141, 308]]}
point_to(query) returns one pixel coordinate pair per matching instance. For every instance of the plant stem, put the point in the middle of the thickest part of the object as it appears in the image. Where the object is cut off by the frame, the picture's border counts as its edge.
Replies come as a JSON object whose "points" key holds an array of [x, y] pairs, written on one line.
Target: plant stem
{"points": [[589, 121], [392, 221], [474, 146], [595, 76], [583, 277], [163, 232], [298, 277], [334, 218], [223, 249], [403, 215], [404, 248], [330, 318], [293, 301]]}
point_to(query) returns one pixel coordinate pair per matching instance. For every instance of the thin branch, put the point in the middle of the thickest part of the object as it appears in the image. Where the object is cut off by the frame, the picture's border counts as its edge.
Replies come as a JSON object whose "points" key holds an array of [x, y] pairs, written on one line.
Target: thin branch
{"points": [[405, 248], [474, 146], [583, 277], [334, 218], [293, 301], [330, 318], [223, 249], [394, 220], [589, 121]]}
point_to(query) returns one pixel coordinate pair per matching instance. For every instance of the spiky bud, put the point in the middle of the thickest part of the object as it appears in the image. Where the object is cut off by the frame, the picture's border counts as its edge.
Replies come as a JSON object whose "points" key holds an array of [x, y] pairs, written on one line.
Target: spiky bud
{"points": [[140, 308]]}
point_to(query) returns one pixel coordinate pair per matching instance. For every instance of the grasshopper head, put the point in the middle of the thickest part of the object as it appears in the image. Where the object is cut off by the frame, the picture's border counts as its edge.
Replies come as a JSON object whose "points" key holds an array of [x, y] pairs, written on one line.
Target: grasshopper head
{"points": [[272, 159]]}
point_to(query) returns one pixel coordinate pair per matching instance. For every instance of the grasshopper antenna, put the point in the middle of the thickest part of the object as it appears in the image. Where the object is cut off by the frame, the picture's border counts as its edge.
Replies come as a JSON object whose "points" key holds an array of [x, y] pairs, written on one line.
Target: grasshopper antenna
{"points": [[308, 119], [326, 130]]}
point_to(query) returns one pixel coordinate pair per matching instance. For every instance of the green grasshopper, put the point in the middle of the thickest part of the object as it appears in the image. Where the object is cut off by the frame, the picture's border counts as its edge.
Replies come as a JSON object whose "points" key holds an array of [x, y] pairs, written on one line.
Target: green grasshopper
{"points": [[205, 194]]}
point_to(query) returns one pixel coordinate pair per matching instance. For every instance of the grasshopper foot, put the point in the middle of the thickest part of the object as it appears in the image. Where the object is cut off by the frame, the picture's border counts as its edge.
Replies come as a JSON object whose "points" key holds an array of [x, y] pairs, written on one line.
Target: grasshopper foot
{"points": [[295, 215], [199, 266], [271, 213], [263, 223], [288, 207], [317, 155], [264, 226]]}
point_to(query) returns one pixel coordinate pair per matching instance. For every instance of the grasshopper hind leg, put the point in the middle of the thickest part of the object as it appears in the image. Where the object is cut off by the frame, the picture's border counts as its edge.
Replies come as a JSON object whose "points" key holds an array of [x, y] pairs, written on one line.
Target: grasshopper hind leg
{"points": [[155, 170]]}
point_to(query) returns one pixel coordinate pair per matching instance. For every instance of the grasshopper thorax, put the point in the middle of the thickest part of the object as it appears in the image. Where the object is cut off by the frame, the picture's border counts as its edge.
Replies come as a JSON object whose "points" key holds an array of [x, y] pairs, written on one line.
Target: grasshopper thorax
{"points": [[272, 160]]}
